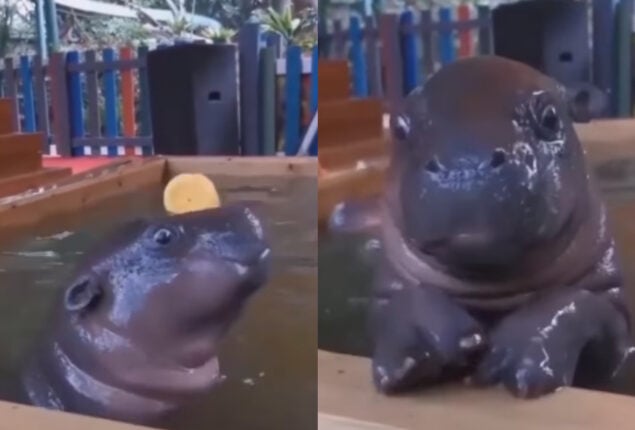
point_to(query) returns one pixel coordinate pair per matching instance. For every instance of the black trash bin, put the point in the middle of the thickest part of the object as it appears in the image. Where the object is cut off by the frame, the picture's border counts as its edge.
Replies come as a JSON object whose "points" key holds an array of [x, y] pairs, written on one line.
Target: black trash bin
{"points": [[550, 35], [194, 99]]}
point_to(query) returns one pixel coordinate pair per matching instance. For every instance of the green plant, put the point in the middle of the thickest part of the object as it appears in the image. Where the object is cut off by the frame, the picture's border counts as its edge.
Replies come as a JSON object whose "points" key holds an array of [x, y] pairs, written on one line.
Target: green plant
{"points": [[294, 28], [222, 35]]}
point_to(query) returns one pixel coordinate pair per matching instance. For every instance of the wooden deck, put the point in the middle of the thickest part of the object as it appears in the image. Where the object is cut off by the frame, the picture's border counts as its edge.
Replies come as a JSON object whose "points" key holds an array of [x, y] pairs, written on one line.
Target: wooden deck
{"points": [[348, 401]]}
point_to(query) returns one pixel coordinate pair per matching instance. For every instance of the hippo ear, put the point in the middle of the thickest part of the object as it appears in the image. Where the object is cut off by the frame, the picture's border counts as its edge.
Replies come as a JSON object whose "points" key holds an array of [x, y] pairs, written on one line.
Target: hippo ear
{"points": [[83, 293], [586, 102]]}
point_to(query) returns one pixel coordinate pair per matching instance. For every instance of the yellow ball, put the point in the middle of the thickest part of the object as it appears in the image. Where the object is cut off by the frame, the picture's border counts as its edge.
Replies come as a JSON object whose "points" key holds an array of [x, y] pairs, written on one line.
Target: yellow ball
{"points": [[189, 192]]}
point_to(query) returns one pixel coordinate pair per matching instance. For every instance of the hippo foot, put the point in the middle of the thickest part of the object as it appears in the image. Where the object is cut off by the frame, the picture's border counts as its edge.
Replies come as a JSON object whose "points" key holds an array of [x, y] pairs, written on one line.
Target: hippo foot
{"points": [[537, 350], [420, 336], [527, 367]]}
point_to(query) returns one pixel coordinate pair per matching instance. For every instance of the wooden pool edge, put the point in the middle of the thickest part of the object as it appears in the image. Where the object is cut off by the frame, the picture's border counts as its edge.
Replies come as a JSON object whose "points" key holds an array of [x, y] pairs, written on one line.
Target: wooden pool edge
{"points": [[125, 175], [347, 400]]}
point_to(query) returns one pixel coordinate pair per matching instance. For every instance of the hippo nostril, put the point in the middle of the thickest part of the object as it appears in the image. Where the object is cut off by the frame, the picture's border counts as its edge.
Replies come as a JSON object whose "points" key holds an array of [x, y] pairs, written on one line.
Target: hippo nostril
{"points": [[498, 158], [433, 166]]}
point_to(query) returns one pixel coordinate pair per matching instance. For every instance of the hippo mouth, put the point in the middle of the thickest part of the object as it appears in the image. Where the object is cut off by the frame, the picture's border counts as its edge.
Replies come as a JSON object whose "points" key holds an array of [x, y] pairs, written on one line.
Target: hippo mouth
{"points": [[473, 253]]}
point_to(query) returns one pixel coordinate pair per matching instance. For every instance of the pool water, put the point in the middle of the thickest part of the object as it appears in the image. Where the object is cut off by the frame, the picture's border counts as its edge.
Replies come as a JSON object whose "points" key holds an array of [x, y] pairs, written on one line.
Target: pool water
{"points": [[346, 271], [269, 356]]}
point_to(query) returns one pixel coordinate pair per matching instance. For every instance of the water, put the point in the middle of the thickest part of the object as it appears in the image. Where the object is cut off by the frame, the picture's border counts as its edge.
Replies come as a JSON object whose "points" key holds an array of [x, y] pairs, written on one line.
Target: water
{"points": [[269, 356], [346, 270]]}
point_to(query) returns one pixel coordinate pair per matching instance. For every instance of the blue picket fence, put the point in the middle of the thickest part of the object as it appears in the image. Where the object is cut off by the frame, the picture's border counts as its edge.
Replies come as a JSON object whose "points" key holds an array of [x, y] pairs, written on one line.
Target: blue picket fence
{"points": [[90, 102]]}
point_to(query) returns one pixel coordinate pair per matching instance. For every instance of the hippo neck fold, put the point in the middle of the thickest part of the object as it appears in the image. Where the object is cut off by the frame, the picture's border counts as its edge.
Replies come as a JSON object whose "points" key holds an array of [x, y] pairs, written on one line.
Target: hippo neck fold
{"points": [[585, 245], [95, 371]]}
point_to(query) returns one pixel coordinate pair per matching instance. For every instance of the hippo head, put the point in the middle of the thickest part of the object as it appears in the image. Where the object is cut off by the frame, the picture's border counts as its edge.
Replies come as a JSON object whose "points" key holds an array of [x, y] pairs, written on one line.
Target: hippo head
{"points": [[487, 164], [148, 307]]}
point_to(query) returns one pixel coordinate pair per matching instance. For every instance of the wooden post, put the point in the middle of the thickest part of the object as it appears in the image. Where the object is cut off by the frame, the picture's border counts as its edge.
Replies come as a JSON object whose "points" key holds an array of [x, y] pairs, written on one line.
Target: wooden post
{"points": [[110, 99], [485, 30], [127, 100], [293, 95], [59, 103], [425, 24], [41, 102], [76, 110], [268, 100], [372, 58], [391, 61], [145, 119], [11, 91], [447, 53], [52, 30], [313, 104], [28, 104], [249, 52], [409, 52], [360, 78], [624, 46]]}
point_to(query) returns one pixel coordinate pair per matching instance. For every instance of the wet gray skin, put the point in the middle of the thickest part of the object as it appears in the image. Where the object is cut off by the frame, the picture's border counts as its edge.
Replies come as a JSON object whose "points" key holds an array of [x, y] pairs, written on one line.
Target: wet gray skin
{"points": [[498, 263], [137, 331]]}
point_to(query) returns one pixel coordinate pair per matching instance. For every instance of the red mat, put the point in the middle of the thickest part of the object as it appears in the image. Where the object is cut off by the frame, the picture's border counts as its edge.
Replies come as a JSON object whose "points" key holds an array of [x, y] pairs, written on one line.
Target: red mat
{"points": [[77, 164]]}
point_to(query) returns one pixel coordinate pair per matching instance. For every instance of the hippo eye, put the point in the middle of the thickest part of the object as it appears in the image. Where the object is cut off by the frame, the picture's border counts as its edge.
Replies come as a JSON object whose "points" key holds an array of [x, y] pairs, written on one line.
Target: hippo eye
{"points": [[549, 124], [163, 236]]}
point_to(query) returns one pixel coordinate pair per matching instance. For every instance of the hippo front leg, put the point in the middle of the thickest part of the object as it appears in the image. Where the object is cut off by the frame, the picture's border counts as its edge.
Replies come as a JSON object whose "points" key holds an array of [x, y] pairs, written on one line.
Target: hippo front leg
{"points": [[419, 334], [537, 349]]}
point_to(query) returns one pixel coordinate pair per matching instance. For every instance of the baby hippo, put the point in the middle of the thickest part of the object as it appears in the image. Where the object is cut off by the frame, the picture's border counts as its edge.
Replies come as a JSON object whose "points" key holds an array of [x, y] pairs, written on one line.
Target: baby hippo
{"points": [[137, 330], [497, 261]]}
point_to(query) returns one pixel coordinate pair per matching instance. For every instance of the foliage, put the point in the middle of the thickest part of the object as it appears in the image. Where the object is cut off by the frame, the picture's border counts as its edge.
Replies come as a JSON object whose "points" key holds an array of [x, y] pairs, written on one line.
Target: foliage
{"points": [[294, 28]]}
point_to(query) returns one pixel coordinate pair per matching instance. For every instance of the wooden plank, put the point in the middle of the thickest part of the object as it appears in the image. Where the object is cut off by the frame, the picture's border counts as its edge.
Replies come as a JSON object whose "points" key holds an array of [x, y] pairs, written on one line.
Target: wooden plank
{"points": [[427, 45], [314, 97], [41, 102], [293, 96], [339, 40], [11, 92], [358, 60], [337, 157], [372, 58], [73, 196], [145, 124], [128, 99], [485, 30], [334, 80], [76, 107], [100, 142], [23, 417], [6, 115], [391, 60], [59, 104], [345, 391], [267, 100], [347, 121], [608, 139], [330, 422], [465, 36], [92, 92], [102, 66], [409, 51], [447, 53], [28, 103], [247, 166], [20, 153], [249, 52], [110, 102], [20, 183]]}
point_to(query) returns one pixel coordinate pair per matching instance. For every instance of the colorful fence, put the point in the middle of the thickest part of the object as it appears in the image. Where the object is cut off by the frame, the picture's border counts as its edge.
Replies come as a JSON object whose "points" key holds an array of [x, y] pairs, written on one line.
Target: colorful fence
{"points": [[392, 54], [88, 103]]}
